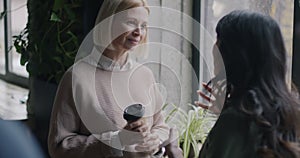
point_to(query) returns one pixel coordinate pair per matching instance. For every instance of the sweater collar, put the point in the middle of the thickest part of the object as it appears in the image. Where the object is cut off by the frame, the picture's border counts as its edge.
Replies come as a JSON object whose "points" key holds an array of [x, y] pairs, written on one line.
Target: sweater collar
{"points": [[96, 58]]}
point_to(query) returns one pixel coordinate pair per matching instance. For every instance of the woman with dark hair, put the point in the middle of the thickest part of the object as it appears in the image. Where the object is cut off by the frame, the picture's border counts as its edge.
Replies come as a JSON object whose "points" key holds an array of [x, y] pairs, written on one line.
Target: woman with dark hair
{"points": [[260, 117]]}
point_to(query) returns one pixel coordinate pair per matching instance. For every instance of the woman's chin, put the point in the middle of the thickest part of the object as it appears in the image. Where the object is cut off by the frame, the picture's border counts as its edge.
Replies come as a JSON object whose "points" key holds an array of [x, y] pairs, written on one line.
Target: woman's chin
{"points": [[132, 47]]}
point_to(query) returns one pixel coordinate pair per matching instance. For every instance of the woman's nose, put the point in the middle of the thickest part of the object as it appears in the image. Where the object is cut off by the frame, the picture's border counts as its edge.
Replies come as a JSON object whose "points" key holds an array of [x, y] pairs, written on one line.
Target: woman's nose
{"points": [[137, 32]]}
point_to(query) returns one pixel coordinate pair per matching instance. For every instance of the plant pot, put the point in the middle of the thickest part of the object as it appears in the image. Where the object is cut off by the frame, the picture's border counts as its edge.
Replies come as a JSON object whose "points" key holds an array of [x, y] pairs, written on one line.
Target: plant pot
{"points": [[40, 103]]}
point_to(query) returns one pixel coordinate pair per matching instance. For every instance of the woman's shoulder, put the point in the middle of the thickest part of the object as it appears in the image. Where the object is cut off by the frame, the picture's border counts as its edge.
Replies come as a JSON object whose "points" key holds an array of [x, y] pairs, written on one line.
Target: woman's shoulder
{"points": [[143, 71], [143, 68], [231, 124], [230, 137], [232, 112], [77, 72], [234, 119]]}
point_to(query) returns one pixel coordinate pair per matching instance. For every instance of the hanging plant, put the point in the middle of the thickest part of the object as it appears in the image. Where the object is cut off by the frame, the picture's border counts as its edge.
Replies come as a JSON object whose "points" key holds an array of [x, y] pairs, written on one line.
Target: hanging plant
{"points": [[50, 40]]}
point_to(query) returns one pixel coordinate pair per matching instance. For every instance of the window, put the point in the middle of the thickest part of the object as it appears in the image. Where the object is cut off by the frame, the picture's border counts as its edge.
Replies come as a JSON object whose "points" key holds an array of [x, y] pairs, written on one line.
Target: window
{"points": [[18, 23], [11, 24], [281, 10]]}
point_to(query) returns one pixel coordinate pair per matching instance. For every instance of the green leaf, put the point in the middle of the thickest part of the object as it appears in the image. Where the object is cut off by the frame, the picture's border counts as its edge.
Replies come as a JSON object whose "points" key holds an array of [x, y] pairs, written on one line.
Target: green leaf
{"points": [[164, 106], [24, 59], [171, 114], [2, 14], [58, 4], [54, 17], [58, 60], [71, 34], [18, 48], [74, 37]]}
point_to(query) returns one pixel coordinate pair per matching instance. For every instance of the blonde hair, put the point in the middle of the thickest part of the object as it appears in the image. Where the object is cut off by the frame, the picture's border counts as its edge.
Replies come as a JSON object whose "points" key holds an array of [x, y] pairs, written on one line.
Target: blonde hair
{"points": [[109, 8]]}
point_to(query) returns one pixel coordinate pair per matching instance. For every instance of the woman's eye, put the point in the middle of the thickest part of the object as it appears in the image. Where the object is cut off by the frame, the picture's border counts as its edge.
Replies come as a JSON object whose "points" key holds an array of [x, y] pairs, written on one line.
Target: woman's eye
{"points": [[144, 26], [131, 23]]}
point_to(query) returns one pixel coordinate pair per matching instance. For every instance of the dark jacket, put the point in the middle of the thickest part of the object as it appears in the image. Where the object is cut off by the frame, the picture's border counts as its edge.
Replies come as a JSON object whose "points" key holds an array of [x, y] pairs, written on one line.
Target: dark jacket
{"points": [[234, 135]]}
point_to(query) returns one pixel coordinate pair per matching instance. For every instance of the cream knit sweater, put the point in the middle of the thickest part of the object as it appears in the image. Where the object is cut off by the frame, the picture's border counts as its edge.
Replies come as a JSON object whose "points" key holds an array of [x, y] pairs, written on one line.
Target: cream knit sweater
{"points": [[88, 108]]}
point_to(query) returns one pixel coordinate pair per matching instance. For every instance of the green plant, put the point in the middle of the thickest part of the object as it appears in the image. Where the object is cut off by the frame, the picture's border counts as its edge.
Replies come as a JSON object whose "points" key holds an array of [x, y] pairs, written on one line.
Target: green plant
{"points": [[193, 126], [50, 40]]}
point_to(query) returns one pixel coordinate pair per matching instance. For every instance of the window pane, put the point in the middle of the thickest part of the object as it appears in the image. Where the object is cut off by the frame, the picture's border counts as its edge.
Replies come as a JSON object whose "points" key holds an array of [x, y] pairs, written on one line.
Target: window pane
{"points": [[18, 23], [2, 47], [281, 10]]}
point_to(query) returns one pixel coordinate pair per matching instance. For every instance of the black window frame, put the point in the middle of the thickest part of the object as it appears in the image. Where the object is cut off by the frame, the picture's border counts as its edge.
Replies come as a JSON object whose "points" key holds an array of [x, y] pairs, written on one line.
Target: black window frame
{"points": [[296, 48]]}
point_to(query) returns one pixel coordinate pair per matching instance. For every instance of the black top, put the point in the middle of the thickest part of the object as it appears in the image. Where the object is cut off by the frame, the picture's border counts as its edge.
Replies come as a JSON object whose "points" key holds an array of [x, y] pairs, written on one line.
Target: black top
{"points": [[234, 136]]}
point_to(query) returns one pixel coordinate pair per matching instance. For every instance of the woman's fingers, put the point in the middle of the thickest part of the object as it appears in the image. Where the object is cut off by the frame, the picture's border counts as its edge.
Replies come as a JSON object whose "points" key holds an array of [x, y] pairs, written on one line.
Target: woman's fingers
{"points": [[204, 96], [137, 126], [201, 105], [206, 87], [136, 123], [212, 96], [130, 138], [142, 128], [215, 110], [151, 144]]}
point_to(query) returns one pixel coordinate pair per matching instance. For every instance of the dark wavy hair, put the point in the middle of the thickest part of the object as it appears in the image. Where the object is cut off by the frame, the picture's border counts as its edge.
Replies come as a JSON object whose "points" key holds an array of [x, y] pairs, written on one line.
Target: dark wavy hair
{"points": [[254, 56]]}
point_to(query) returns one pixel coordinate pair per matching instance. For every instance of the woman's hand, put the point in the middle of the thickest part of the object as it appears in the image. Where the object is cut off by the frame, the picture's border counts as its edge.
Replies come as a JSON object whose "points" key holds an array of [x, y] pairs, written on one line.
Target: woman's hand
{"points": [[138, 133], [134, 132], [172, 148], [215, 106], [150, 145]]}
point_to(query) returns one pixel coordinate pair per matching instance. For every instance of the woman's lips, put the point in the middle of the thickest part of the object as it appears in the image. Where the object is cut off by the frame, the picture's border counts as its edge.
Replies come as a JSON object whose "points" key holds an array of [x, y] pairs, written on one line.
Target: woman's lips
{"points": [[134, 41]]}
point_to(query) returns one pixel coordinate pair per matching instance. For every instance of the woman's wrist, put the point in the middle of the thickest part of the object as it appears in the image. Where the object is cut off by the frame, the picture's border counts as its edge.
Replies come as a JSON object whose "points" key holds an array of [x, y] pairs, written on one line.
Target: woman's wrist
{"points": [[116, 141]]}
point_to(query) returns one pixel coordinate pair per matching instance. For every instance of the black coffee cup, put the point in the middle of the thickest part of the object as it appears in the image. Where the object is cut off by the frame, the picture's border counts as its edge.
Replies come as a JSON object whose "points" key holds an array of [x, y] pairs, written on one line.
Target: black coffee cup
{"points": [[134, 112]]}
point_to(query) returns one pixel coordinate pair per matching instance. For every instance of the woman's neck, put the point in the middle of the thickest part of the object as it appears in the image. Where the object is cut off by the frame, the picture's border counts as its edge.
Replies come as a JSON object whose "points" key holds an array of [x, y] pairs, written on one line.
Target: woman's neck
{"points": [[118, 57]]}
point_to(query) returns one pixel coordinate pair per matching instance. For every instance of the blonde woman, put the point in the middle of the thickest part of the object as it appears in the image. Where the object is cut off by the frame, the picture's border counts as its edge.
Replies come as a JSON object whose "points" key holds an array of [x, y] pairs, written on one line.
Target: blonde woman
{"points": [[87, 117]]}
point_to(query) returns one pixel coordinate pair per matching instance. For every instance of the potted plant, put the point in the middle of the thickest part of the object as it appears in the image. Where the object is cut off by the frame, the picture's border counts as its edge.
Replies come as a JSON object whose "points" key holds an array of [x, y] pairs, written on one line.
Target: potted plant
{"points": [[48, 46], [49, 42], [193, 125]]}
